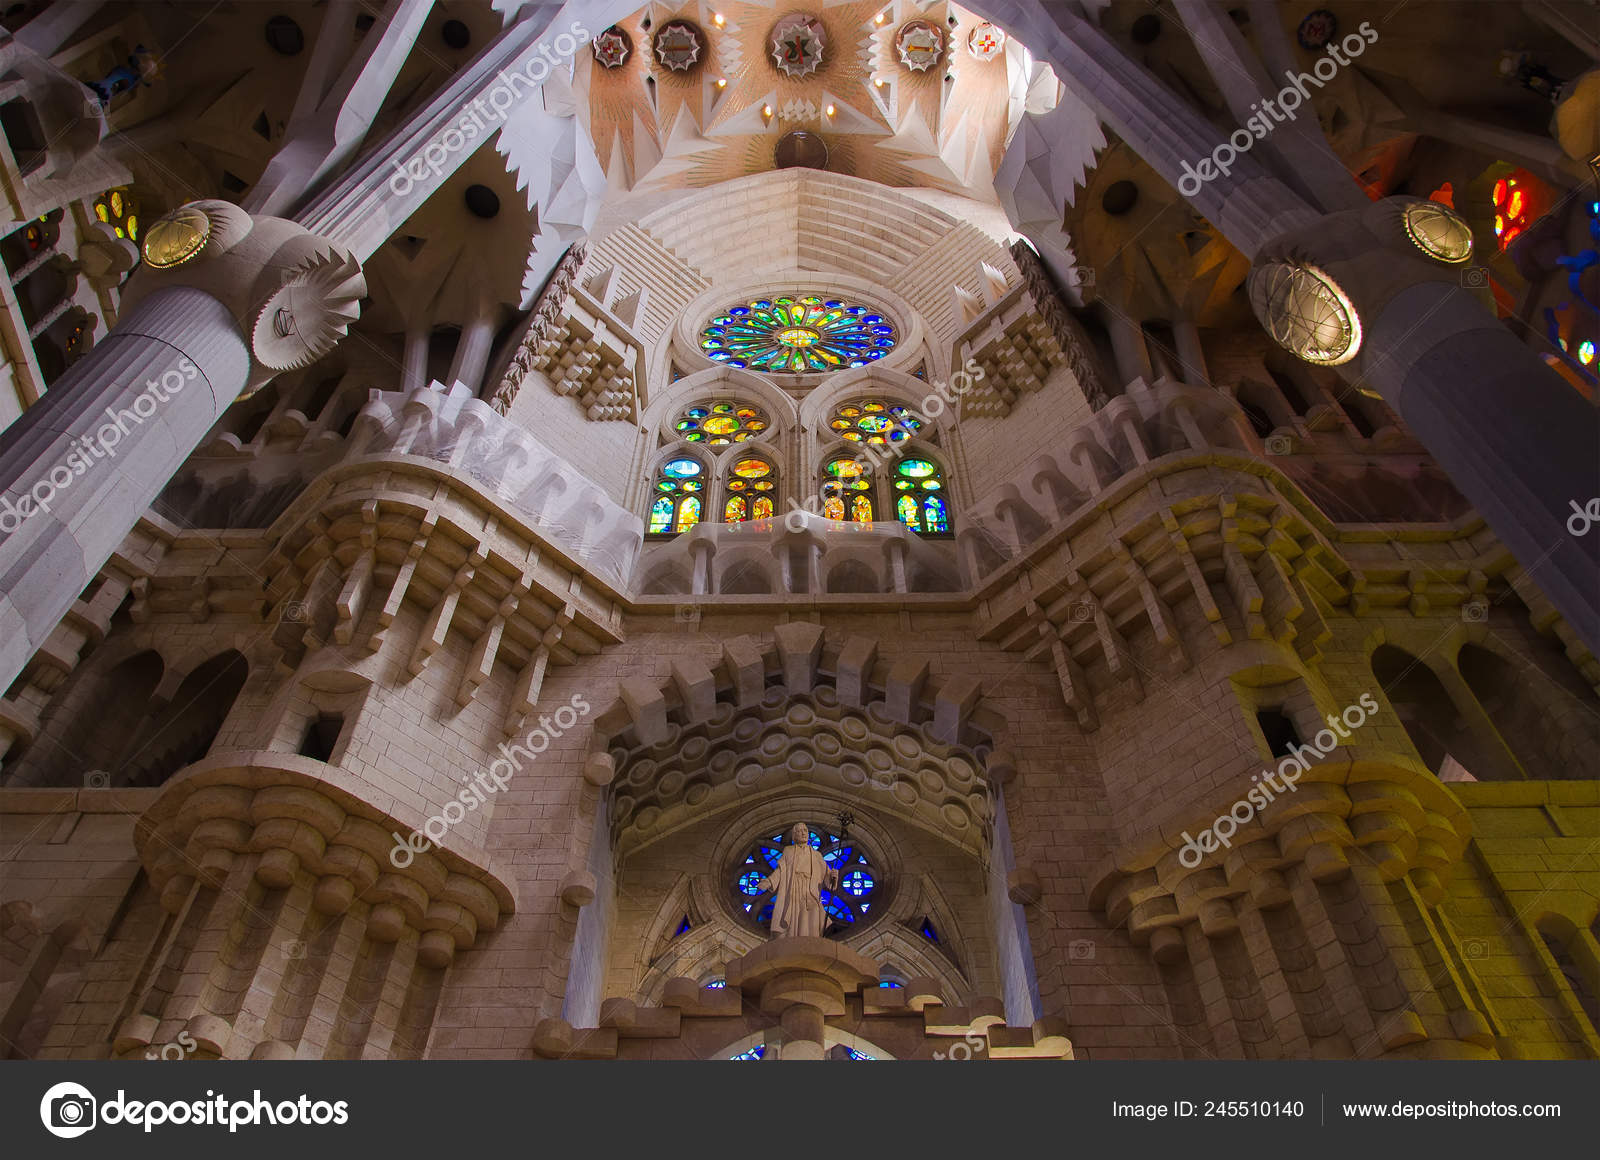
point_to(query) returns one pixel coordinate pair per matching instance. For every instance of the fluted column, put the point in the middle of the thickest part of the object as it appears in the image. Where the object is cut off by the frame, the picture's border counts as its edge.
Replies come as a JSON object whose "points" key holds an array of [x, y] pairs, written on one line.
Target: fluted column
{"points": [[79, 467]]}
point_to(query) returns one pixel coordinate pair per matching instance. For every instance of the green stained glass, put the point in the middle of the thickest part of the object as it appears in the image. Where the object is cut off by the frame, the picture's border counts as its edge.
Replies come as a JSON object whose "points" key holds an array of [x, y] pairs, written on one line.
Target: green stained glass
{"points": [[661, 514], [906, 508], [917, 469]]}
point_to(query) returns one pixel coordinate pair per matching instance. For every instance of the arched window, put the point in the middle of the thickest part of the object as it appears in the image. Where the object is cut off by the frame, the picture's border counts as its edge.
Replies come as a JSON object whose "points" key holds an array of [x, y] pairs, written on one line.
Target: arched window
{"points": [[850, 904], [874, 421], [717, 424], [749, 490], [679, 491], [847, 491], [919, 496]]}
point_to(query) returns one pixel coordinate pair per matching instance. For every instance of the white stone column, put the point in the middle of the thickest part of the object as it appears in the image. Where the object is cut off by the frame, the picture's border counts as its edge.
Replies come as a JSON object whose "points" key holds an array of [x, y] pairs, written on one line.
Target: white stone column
{"points": [[98, 448], [472, 351]]}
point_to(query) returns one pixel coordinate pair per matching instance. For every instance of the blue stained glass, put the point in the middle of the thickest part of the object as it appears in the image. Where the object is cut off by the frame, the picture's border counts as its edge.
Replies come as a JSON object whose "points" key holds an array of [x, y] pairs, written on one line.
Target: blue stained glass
{"points": [[683, 927], [750, 882], [890, 983], [854, 1054], [839, 857], [858, 883], [755, 1052], [766, 914], [928, 932], [836, 907], [717, 984]]}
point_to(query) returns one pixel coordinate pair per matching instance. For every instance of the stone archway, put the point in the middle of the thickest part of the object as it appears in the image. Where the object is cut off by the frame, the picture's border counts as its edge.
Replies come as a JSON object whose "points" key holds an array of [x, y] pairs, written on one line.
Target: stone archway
{"points": [[802, 724]]}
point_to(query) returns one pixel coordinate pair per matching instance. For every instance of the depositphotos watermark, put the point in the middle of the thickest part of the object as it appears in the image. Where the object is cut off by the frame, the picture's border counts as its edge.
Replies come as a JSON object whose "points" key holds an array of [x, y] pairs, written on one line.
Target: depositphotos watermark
{"points": [[39, 498], [501, 99], [68, 1110], [1275, 113], [482, 783], [937, 401], [1302, 757]]}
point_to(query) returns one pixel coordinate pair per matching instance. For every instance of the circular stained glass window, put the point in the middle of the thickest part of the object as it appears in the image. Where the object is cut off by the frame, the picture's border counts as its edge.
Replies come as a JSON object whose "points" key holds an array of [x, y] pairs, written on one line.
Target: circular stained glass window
{"points": [[873, 421], [798, 335], [719, 424], [853, 902]]}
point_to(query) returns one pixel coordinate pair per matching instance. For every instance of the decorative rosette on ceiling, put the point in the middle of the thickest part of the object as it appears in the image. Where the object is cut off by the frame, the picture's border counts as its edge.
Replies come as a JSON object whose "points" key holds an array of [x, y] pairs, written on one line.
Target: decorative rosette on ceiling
{"points": [[919, 44], [612, 47], [986, 41], [797, 44], [677, 46]]}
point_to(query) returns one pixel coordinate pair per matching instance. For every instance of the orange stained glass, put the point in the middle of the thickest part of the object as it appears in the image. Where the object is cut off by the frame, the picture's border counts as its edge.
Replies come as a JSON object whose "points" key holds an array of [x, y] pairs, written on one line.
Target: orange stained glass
{"points": [[861, 510], [762, 508], [733, 511]]}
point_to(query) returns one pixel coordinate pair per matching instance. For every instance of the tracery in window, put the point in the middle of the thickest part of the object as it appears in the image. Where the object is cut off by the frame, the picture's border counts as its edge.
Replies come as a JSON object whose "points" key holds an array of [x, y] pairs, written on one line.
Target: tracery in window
{"points": [[717, 424], [677, 503], [919, 501], [874, 421], [847, 491], [859, 882], [750, 487], [798, 334]]}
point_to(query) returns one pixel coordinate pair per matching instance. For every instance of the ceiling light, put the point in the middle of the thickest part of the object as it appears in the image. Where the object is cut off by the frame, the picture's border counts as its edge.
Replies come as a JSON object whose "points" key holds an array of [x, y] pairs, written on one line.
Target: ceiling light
{"points": [[830, 110], [718, 19], [722, 82]]}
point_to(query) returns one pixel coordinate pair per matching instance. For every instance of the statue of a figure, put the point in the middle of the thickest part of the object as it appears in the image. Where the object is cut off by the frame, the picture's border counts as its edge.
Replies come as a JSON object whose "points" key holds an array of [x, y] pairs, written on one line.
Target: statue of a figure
{"points": [[798, 880]]}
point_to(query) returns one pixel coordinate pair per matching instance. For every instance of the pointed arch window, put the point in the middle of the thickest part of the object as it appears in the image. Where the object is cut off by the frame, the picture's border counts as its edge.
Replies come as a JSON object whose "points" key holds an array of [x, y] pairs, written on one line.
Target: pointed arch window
{"points": [[678, 496], [750, 490], [920, 500], [847, 491]]}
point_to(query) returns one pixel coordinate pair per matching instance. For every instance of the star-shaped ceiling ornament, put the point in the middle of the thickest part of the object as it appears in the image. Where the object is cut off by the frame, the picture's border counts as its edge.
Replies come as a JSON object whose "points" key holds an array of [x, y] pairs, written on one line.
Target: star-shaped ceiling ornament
{"points": [[677, 46], [797, 44], [611, 47], [919, 44], [986, 41]]}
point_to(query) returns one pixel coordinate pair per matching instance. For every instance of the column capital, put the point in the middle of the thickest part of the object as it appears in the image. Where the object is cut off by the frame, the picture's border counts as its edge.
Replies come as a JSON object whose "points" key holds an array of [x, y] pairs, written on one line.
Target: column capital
{"points": [[293, 294]]}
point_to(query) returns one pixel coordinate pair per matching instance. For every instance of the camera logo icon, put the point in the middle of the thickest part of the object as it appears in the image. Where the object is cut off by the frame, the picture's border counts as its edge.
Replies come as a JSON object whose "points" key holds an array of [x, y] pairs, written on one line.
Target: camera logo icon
{"points": [[1080, 948], [1279, 445], [1475, 611], [1474, 278], [68, 1110]]}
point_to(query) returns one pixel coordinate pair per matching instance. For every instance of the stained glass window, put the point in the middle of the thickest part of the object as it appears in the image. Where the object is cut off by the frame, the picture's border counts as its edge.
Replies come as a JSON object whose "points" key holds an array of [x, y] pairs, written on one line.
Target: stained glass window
{"points": [[718, 424], [798, 335], [116, 208], [847, 490], [755, 1052], [677, 503], [919, 500], [859, 881], [874, 421], [717, 985], [750, 485]]}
